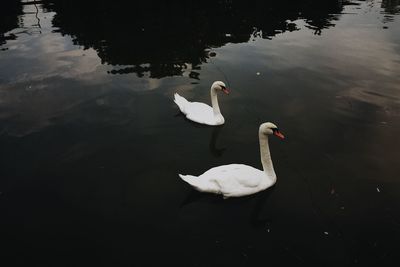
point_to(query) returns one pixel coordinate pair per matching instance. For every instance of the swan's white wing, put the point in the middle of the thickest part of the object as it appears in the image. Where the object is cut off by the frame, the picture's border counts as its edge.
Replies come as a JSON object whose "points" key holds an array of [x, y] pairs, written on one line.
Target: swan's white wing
{"points": [[235, 179], [241, 174], [199, 112]]}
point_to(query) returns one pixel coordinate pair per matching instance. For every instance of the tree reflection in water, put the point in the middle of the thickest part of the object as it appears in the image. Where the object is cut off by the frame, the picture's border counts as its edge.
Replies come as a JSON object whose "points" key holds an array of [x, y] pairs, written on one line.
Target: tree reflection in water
{"points": [[168, 38], [9, 13]]}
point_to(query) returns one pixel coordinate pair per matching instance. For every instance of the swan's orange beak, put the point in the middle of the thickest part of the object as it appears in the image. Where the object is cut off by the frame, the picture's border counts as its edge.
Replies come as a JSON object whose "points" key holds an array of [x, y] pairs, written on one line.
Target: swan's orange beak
{"points": [[225, 90], [279, 134]]}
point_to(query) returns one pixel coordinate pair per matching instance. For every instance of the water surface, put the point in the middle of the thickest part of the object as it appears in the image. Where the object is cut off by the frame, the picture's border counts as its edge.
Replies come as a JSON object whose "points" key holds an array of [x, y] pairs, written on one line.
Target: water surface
{"points": [[91, 141]]}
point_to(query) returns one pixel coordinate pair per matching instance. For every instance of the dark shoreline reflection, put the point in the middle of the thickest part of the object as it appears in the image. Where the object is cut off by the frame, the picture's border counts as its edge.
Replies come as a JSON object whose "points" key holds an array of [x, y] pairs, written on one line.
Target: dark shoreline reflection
{"points": [[169, 38], [9, 13], [391, 6]]}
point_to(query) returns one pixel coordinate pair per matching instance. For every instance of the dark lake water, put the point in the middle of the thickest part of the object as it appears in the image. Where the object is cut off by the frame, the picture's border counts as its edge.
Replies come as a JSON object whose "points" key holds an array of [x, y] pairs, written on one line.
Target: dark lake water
{"points": [[91, 142]]}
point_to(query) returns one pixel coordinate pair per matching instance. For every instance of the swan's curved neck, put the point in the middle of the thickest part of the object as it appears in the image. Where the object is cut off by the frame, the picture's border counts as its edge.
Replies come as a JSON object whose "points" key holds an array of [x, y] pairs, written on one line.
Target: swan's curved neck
{"points": [[266, 157], [214, 102]]}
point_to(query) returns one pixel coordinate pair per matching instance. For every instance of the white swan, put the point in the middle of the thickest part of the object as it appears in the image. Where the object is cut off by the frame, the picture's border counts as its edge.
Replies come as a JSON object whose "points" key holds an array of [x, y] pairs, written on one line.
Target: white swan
{"points": [[200, 112], [236, 180]]}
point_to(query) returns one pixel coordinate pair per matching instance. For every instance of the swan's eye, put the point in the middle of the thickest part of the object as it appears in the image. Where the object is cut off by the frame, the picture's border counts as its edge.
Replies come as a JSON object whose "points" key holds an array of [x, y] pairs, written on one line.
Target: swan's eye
{"points": [[275, 130], [223, 87]]}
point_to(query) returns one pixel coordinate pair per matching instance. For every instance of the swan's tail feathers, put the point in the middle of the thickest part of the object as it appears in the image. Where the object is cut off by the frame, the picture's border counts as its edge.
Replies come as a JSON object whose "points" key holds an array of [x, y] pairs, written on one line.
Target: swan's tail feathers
{"points": [[192, 180], [181, 102], [200, 184]]}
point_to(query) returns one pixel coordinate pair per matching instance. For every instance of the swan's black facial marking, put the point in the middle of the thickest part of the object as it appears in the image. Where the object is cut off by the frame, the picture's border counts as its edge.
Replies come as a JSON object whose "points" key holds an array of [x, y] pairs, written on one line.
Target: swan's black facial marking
{"points": [[276, 132], [224, 89]]}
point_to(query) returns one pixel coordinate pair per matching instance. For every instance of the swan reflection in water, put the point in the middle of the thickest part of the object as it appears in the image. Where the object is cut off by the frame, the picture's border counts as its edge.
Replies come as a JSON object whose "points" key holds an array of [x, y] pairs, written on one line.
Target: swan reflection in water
{"points": [[256, 203], [215, 151]]}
